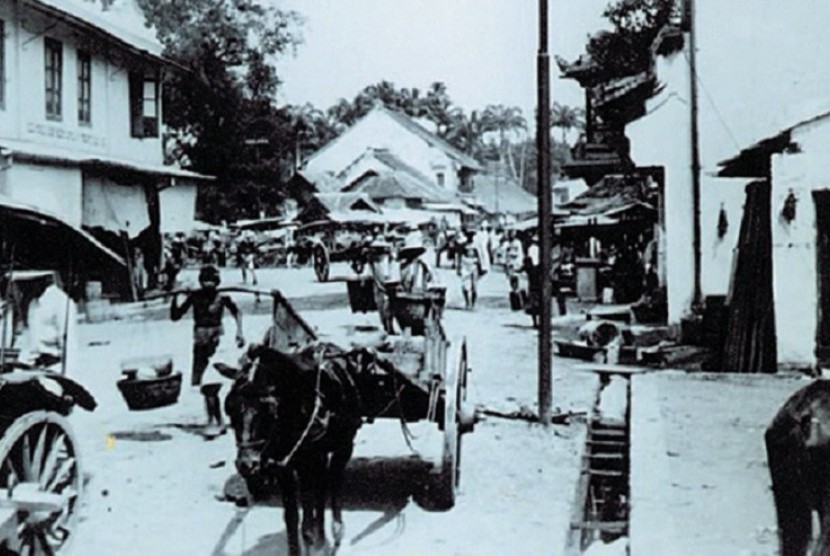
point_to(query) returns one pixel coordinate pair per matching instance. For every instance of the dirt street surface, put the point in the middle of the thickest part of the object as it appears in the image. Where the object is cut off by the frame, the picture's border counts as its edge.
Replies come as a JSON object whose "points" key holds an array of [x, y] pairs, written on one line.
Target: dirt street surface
{"points": [[153, 483], [717, 496], [155, 487]]}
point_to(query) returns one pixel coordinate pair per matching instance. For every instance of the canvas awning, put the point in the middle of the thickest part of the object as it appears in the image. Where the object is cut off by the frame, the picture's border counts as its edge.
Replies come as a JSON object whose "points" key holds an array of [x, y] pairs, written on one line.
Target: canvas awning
{"points": [[39, 239]]}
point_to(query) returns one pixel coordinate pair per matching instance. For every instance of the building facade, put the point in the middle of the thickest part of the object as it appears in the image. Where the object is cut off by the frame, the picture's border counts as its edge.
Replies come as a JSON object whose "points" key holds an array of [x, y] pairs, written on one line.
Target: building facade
{"points": [[80, 120]]}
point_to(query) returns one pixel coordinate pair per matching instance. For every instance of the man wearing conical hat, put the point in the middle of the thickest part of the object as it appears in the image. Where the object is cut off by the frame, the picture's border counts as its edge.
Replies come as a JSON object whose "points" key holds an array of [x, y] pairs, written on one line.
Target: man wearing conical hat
{"points": [[415, 272]]}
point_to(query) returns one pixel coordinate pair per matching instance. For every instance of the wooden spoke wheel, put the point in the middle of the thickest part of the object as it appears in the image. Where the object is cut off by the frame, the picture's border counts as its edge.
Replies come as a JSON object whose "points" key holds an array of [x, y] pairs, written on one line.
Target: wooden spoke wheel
{"points": [[320, 257], [40, 469], [447, 478]]}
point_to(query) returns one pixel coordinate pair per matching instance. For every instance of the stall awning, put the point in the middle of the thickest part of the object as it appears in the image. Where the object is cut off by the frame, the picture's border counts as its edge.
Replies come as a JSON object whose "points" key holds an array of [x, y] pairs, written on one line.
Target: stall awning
{"points": [[25, 150], [46, 238]]}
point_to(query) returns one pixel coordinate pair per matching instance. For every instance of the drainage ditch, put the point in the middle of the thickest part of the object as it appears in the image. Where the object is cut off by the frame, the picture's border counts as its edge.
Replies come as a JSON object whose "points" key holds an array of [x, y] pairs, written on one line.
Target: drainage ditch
{"points": [[601, 505]]}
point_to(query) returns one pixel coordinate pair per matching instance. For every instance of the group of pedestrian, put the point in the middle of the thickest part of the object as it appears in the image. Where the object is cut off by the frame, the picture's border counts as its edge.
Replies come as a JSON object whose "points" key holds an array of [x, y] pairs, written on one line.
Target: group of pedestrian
{"points": [[523, 264]]}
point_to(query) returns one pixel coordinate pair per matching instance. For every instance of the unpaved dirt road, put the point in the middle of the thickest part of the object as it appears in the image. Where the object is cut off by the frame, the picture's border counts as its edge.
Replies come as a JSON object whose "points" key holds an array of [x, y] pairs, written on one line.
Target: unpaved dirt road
{"points": [[153, 484]]}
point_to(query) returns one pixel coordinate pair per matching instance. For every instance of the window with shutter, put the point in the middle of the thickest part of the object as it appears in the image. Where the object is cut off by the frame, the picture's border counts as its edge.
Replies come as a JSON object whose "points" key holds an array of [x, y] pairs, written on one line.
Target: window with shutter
{"points": [[53, 66], [144, 104]]}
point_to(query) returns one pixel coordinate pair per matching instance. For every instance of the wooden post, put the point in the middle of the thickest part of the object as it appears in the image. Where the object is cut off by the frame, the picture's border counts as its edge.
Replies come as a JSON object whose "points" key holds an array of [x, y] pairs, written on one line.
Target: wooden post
{"points": [[697, 297], [545, 230]]}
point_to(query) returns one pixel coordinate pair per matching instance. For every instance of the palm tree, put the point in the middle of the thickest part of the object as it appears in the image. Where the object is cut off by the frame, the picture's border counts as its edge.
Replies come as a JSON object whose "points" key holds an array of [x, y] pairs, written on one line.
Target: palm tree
{"points": [[308, 124], [567, 118], [464, 133], [437, 105], [503, 119]]}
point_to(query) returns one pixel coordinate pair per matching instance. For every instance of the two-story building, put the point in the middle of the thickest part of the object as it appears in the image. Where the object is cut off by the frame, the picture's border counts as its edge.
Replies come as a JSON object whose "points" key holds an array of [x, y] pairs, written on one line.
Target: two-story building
{"points": [[80, 121]]}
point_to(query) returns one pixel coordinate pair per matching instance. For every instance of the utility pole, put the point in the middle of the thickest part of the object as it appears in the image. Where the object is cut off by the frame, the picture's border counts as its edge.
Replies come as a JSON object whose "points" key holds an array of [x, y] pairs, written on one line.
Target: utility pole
{"points": [[697, 296], [544, 199]]}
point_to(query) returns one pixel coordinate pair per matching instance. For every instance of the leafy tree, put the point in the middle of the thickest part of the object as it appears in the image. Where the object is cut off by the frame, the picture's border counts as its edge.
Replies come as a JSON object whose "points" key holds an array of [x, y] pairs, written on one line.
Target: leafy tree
{"points": [[221, 110], [626, 49]]}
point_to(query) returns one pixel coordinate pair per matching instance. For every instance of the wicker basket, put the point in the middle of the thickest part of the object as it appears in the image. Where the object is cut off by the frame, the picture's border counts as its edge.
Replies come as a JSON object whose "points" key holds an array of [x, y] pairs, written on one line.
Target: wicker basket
{"points": [[362, 294], [161, 365], [150, 393]]}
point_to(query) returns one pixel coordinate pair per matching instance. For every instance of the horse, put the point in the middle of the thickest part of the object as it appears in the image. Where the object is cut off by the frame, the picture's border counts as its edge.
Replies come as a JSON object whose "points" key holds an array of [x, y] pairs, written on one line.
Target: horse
{"points": [[295, 417], [798, 453]]}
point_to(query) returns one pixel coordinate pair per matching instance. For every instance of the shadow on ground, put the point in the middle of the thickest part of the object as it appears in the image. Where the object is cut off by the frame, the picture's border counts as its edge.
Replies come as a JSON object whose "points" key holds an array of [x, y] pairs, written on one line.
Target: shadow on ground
{"points": [[384, 485]]}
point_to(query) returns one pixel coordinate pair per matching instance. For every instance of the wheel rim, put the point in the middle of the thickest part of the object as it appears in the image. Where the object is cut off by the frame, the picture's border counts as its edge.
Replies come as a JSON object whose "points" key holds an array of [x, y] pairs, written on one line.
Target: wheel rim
{"points": [[449, 461], [460, 398], [39, 449]]}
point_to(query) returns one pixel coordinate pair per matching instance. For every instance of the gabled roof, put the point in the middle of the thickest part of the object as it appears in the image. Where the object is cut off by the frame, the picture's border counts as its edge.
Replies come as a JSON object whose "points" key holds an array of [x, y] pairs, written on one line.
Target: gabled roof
{"points": [[323, 182], [120, 25], [500, 194], [611, 196], [411, 126], [389, 160], [340, 202], [754, 161], [390, 176], [434, 141]]}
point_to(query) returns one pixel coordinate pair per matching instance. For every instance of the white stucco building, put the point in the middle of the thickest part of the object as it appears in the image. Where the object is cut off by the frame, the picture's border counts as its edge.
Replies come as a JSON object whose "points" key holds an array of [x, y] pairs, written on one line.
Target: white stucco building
{"points": [[794, 162], [753, 81], [385, 129], [80, 119]]}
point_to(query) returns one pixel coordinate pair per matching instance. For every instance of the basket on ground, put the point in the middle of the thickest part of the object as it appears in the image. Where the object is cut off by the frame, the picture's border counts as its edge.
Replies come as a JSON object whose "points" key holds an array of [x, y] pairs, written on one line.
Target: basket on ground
{"points": [[150, 393]]}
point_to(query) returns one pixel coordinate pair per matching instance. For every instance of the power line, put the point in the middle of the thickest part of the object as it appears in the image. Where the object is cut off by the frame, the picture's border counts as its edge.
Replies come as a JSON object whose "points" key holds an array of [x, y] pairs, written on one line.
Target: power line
{"points": [[711, 101]]}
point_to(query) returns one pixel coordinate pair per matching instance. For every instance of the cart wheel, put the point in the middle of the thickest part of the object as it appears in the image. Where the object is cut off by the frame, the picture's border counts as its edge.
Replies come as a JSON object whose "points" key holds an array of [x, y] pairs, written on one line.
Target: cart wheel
{"points": [[445, 483], [40, 465], [321, 262]]}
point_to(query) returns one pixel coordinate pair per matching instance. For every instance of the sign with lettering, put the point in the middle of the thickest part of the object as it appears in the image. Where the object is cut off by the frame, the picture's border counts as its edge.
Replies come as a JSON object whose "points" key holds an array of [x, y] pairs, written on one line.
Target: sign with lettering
{"points": [[51, 131]]}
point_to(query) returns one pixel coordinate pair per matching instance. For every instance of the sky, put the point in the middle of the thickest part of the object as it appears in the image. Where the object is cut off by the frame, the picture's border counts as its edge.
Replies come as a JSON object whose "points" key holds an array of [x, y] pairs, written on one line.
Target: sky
{"points": [[484, 50]]}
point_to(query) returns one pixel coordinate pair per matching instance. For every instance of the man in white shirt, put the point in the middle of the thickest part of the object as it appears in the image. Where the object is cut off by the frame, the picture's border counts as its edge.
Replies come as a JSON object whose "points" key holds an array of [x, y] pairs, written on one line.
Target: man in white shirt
{"points": [[50, 324]]}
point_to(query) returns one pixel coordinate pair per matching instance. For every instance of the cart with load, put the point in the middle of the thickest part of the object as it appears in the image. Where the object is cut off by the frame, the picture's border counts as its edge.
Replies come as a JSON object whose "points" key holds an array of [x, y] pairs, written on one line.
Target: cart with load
{"points": [[419, 375]]}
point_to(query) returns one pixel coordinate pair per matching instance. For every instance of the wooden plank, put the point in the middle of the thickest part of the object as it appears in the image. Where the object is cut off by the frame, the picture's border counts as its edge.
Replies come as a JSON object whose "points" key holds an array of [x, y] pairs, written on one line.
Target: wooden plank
{"points": [[608, 456], [606, 432], [606, 443], [607, 526], [605, 473], [29, 497]]}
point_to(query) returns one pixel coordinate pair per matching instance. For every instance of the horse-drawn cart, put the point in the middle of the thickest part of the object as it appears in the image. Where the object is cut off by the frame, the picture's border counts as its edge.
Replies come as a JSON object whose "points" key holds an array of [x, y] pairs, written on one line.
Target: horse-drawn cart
{"points": [[405, 377], [326, 242]]}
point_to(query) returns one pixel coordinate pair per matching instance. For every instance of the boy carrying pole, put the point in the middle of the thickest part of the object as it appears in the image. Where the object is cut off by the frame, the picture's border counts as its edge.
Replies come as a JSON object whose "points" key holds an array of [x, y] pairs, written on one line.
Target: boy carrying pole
{"points": [[208, 309]]}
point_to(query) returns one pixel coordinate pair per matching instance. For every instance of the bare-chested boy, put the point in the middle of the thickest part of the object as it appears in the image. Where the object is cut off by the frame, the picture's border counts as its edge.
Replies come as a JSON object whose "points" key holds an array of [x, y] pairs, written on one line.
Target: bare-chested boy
{"points": [[208, 308]]}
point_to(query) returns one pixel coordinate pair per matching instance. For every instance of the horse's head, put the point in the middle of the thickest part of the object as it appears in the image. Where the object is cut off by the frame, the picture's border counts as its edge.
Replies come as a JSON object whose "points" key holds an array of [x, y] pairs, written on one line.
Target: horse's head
{"points": [[251, 406]]}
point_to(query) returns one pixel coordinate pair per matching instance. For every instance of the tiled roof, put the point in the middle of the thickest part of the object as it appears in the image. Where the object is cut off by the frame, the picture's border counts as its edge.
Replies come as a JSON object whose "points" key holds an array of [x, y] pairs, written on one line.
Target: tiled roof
{"points": [[502, 194], [435, 141], [341, 202], [390, 176], [610, 195], [121, 23], [390, 184]]}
